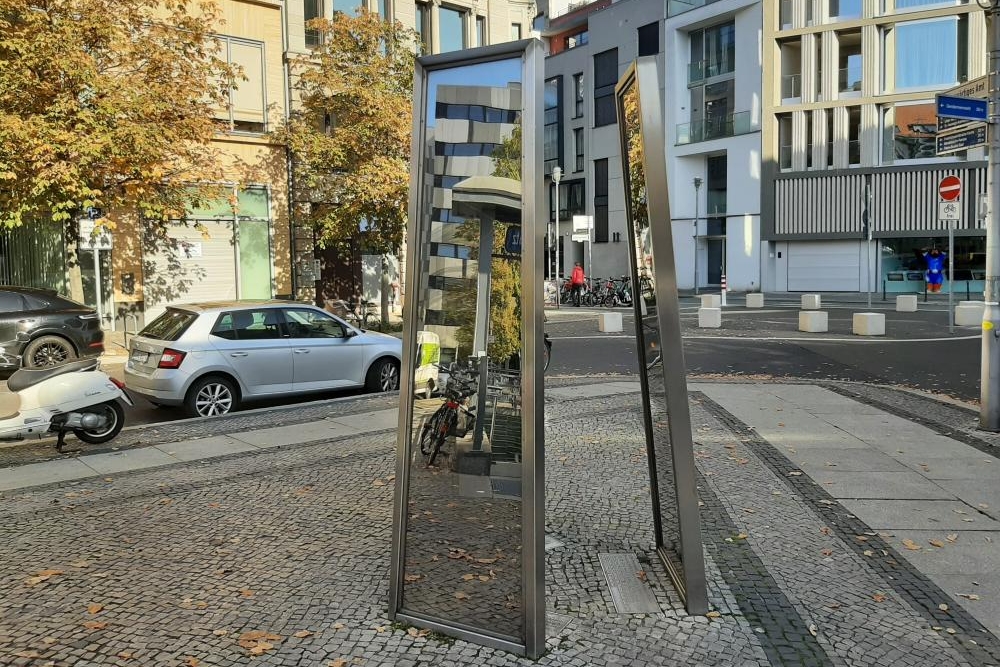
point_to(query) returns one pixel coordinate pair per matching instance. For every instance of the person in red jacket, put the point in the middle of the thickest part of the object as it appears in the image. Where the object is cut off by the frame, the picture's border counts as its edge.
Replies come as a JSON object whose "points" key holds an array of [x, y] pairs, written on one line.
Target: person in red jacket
{"points": [[576, 281]]}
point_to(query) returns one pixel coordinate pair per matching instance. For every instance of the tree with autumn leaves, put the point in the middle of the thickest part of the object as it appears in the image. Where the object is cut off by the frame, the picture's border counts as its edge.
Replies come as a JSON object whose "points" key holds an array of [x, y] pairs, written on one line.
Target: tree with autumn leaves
{"points": [[107, 104], [350, 135]]}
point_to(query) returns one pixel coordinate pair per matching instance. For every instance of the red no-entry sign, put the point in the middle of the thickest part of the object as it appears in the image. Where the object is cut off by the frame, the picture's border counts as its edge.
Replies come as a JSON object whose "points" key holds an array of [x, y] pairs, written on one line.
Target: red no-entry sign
{"points": [[950, 188]]}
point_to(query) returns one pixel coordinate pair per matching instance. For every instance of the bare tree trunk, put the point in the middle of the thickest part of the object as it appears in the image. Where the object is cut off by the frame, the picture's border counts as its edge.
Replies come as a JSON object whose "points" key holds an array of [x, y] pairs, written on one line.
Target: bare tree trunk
{"points": [[383, 291]]}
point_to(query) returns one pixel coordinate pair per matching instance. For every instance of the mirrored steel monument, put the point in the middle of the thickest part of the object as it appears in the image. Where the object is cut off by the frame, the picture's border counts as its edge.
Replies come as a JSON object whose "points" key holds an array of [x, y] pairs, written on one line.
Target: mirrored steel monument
{"points": [[467, 556], [666, 414]]}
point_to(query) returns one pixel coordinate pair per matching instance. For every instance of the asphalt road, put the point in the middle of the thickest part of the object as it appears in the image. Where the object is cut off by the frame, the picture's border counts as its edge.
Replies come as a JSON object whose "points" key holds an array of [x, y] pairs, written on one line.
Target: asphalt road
{"points": [[920, 352]]}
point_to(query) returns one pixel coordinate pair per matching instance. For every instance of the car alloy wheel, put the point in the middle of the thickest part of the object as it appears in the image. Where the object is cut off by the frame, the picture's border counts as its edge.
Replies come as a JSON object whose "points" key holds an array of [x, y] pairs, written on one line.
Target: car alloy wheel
{"points": [[215, 398], [48, 351], [388, 377]]}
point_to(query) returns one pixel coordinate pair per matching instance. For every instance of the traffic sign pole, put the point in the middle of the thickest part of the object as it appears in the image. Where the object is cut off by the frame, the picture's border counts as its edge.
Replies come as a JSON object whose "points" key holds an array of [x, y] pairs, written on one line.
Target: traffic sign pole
{"points": [[951, 276], [989, 378]]}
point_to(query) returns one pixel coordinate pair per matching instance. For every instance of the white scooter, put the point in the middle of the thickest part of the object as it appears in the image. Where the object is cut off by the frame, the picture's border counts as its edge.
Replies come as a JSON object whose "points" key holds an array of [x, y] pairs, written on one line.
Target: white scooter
{"points": [[73, 397]]}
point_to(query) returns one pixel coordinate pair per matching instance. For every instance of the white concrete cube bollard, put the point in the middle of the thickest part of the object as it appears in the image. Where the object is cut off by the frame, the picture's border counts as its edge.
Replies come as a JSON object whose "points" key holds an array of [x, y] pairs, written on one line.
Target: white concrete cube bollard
{"points": [[810, 302], [869, 324], [906, 303], [610, 322], [813, 321], [755, 300], [711, 301], [710, 318], [969, 313]]}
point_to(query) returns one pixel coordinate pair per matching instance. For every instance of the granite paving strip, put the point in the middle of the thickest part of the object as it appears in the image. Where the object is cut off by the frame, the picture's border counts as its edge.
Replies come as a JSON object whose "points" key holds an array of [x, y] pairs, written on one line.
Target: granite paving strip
{"points": [[875, 564]]}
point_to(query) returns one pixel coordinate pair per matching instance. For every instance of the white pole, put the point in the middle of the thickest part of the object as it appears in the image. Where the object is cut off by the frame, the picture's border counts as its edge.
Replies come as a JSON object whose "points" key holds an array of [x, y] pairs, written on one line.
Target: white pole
{"points": [[590, 250], [697, 186], [951, 276]]}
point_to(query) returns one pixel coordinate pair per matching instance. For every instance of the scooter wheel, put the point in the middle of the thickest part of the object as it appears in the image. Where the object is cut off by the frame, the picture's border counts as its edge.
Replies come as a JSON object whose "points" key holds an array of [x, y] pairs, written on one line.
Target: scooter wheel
{"points": [[115, 415]]}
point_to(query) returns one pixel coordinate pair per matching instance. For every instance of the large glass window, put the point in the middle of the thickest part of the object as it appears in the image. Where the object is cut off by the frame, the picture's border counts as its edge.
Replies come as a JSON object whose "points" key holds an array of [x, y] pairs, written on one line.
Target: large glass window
{"points": [[605, 78], [649, 39], [849, 74], [247, 104], [906, 4], [312, 9], [480, 31], [601, 201], [913, 131], [854, 135], [845, 9], [919, 66], [713, 52], [423, 27], [553, 123], [578, 95], [349, 7], [578, 148], [785, 141], [579, 39], [452, 23]]}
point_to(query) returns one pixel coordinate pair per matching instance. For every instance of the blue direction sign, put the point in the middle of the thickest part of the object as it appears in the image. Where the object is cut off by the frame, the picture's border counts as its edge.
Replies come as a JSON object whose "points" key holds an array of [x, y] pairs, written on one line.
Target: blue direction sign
{"points": [[966, 108], [961, 141]]}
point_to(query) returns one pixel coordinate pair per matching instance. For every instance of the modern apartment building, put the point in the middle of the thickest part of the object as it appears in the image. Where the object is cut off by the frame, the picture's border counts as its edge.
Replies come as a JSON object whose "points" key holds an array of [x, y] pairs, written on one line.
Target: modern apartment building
{"points": [[849, 126], [711, 65]]}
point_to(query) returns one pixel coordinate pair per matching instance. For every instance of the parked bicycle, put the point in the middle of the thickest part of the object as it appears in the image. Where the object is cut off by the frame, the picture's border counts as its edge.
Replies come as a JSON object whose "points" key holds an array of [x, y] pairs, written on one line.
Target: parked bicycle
{"points": [[461, 385], [362, 314]]}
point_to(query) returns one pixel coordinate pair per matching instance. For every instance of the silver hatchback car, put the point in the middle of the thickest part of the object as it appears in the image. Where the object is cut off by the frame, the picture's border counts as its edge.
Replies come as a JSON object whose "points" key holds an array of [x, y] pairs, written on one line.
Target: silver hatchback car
{"points": [[211, 357]]}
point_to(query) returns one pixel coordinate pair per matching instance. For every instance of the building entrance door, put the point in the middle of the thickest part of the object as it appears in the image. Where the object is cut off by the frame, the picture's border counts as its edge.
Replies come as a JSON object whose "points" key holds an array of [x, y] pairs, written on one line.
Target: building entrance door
{"points": [[714, 248], [98, 281]]}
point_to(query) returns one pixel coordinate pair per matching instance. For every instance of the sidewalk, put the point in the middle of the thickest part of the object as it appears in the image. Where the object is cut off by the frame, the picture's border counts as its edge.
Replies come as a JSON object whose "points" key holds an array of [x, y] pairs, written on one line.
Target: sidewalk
{"points": [[843, 524]]}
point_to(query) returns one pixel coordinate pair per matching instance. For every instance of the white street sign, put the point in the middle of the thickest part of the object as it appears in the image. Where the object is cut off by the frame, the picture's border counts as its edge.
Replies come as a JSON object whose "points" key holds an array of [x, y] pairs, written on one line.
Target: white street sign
{"points": [[92, 236], [581, 237], [949, 210], [582, 223]]}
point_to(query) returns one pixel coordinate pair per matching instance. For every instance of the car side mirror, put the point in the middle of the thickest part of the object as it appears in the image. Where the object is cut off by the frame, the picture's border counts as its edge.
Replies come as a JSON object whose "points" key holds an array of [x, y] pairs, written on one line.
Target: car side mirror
{"points": [[349, 333]]}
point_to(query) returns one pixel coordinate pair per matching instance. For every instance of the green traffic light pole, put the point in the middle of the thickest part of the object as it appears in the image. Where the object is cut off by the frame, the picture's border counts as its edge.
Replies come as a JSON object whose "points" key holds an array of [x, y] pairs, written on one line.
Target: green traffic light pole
{"points": [[989, 380]]}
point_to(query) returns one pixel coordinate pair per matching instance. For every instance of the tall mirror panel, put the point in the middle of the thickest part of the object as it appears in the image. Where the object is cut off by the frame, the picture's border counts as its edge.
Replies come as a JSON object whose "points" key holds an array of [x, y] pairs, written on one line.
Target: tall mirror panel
{"points": [[666, 414], [460, 552]]}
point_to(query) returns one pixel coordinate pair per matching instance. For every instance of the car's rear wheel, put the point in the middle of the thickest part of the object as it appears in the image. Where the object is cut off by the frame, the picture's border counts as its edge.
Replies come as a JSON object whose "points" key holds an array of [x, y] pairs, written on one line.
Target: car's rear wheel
{"points": [[47, 351], [211, 396], [383, 376]]}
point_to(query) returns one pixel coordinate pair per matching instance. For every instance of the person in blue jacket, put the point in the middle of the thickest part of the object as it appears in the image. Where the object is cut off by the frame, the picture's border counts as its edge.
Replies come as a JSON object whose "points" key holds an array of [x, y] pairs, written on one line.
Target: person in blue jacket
{"points": [[935, 268]]}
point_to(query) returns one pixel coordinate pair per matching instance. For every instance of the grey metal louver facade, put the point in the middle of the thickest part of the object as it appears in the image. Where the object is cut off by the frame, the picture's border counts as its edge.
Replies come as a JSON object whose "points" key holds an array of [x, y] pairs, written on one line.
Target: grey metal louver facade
{"points": [[904, 202]]}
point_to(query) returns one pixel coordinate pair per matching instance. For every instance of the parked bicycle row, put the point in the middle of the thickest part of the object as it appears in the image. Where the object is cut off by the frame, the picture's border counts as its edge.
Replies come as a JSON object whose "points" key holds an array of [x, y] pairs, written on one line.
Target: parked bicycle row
{"points": [[608, 292]]}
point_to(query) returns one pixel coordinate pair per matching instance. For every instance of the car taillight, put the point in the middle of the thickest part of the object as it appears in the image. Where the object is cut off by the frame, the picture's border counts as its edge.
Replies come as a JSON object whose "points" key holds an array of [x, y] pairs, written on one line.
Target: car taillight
{"points": [[171, 358], [118, 383]]}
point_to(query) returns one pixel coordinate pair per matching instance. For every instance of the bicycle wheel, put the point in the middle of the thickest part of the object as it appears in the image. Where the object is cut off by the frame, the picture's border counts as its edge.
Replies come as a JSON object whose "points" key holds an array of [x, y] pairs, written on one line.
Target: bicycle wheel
{"points": [[587, 299], [373, 321], [450, 419], [428, 434]]}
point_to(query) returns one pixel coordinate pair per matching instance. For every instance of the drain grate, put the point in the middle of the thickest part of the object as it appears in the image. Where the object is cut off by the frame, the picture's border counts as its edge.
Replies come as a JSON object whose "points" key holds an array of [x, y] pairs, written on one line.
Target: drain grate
{"points": [[630, 593]]}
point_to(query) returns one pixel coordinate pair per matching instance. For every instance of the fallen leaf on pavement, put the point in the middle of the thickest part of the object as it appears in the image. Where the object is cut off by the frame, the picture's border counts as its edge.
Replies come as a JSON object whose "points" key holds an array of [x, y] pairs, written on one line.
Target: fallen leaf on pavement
{"points": [[338, 626], [94, 607], [826, 530], [247, 593], [911, 545], [950, 631], [40, 576], [713, 614], [968, 596], [936, 543], [339, 662], [813, 629], [468, 577], [260, 648], [95, 625], [192, 662], [410, 578], [943, 607], [220, 632], [795, 473], [640, 575], [827, 552], [868, 552], [878, 597], [378, 482], [952, 537], [461, 596], [80, 563], [30, 655], [302, 634], [126, 655]]}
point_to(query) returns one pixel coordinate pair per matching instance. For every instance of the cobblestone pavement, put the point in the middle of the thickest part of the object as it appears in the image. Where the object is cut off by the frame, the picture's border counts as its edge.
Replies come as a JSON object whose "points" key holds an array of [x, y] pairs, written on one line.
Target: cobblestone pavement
{"points": [[173, 566]]}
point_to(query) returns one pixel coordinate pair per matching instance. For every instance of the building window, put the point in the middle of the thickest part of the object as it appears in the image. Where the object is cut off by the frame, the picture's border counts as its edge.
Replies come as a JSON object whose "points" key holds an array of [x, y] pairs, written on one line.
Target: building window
{"points": [[829, 137], [312, 9], [791, 69], [785, 141], [553, 123], [515, 31], [450, 250], [917, 65], [649, 39], [849, 74], [383, 9], [480, 31], [452, 24], [571, 200], [579, 39], [601, 201], [578, 148], [247, 98], [845, 9], [907, 4], [578, 95], [809, 139], [423, 27], [605, 79], [913, 131], [715, 182], [464, 149], [349, 7], [713, 52], [784, 14], [854, 135]]}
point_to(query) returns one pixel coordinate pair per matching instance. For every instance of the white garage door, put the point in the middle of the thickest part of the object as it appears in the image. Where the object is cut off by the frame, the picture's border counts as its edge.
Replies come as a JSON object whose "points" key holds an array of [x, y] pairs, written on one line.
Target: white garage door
{"points": [[824, 266], [202, 269]]}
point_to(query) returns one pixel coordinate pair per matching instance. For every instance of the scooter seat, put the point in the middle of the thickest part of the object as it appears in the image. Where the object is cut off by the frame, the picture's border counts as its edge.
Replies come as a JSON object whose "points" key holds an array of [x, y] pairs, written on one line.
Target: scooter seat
{"points": [[24, 378]]}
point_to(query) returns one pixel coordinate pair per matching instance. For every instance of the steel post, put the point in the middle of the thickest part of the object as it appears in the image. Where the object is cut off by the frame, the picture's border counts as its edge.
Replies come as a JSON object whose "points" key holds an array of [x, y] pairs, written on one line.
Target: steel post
{"points": [[989, 380]]}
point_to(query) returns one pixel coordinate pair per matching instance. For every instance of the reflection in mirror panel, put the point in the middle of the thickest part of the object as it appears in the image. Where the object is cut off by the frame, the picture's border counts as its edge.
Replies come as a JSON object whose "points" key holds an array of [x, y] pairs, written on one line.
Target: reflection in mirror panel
{"points": [[666, 414], [462, 559]]}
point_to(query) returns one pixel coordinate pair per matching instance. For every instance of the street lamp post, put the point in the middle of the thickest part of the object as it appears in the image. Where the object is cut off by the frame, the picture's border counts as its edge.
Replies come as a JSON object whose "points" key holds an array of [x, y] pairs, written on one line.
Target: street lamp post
{"points": [[989, 378], [697, 187], [556, 178]]}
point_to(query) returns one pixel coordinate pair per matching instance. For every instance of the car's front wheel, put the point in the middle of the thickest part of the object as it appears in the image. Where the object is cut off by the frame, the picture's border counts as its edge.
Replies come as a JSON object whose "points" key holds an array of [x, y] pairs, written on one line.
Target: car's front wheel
{"points": [[47, 351], [383, 376], [211, 396]]}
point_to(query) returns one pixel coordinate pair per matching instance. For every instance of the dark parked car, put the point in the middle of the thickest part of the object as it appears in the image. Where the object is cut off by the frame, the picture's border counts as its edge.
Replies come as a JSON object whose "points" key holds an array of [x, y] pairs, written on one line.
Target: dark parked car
{"points": [[46, 329]]}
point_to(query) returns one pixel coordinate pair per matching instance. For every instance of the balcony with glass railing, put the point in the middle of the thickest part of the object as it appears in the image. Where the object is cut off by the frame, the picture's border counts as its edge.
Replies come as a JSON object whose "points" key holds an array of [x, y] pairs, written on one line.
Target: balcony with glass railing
{"points": [[791, 86], [714, 128], [706, 69], [849, 78]]}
